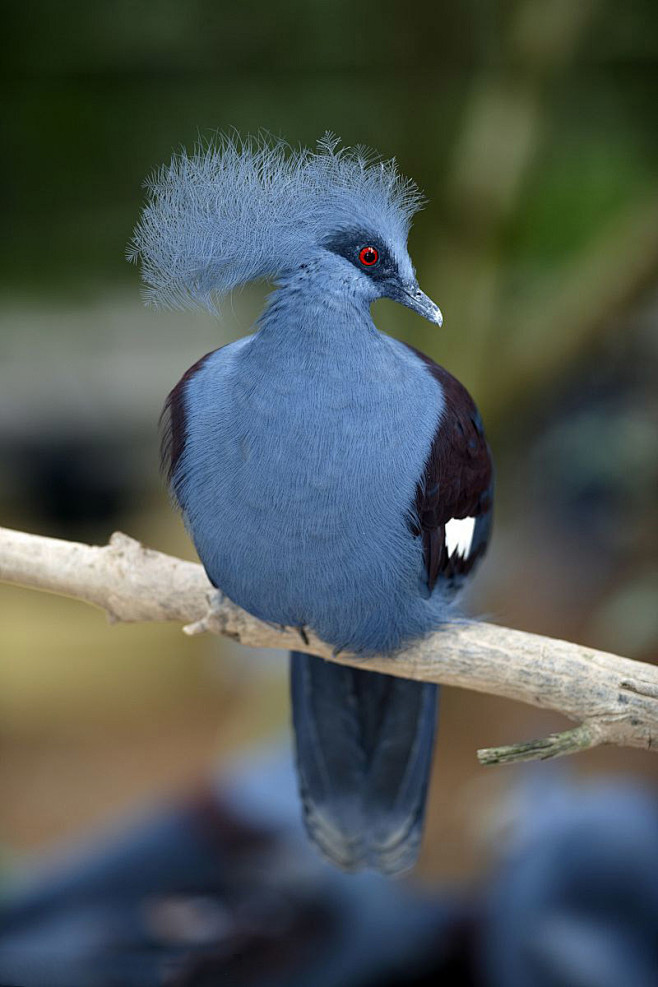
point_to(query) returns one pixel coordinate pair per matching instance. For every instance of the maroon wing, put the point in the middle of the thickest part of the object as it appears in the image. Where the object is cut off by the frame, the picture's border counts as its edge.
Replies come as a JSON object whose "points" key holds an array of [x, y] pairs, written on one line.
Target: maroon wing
{"points": [[173, 426], [457, 484]]}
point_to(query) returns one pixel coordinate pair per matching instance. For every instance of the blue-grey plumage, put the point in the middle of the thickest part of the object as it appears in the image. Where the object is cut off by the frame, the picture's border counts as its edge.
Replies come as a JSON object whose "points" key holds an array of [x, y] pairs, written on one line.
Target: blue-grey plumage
{"points": [[574, 902], [304, 444], [364, 751], [320, 464]]}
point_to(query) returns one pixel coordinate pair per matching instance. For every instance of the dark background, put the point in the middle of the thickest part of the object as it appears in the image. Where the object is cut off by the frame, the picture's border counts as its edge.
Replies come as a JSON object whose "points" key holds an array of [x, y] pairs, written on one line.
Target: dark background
{"points": [[532, 128]]}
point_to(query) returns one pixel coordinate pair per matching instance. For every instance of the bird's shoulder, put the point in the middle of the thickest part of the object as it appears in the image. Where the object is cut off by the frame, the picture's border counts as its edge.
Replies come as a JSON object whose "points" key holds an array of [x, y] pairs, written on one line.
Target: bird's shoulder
{"points": [[173, 420], [454, 497]]}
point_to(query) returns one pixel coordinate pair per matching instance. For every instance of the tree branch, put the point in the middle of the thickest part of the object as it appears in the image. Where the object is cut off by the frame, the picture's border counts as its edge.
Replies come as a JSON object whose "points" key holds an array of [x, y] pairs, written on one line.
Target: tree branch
{"points": [[614, 700]]}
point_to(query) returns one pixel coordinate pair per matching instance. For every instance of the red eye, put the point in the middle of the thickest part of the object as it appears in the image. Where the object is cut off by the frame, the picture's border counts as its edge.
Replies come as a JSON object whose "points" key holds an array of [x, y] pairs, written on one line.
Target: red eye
{"points": [[369, 256]]}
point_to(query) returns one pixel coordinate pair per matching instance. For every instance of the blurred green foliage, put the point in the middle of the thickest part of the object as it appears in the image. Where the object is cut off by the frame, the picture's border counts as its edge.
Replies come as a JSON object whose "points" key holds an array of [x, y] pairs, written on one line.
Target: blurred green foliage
{"points": [[97, 94], [530, 124]]}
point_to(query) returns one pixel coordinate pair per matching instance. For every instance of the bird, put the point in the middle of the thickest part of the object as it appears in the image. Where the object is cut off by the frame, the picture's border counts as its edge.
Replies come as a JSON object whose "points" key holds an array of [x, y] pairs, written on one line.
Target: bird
{"points": [[331, 477], [574, 900]]}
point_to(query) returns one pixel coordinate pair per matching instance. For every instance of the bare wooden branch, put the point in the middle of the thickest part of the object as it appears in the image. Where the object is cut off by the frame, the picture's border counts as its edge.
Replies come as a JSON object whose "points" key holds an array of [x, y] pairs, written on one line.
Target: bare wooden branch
{"points": [[555, 745], [614, 700]]}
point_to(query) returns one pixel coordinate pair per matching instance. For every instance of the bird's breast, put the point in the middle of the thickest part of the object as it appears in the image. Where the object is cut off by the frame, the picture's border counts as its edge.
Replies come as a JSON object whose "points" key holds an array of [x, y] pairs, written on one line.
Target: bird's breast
{"points": [[297, 487]]}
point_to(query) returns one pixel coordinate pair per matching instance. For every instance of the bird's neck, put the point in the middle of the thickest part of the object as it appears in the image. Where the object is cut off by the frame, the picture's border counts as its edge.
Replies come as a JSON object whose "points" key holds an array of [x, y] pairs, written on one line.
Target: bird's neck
{"points": [[313, 329]]}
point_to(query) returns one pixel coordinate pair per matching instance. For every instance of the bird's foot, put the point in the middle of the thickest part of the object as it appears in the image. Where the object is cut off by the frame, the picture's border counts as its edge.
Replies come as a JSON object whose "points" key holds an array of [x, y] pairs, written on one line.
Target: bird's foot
{"points": [[343, 651], [299, 628], [213, 619]]}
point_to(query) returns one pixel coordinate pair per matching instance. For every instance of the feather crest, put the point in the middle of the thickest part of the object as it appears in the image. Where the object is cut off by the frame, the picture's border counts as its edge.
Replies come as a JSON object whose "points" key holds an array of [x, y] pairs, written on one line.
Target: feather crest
{"points": [[237, 210]]}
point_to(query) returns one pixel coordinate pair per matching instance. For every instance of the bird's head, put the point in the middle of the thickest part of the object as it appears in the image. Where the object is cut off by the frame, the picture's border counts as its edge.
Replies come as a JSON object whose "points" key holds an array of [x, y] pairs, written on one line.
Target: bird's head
{"points": [[236, 211], [379, 270]]}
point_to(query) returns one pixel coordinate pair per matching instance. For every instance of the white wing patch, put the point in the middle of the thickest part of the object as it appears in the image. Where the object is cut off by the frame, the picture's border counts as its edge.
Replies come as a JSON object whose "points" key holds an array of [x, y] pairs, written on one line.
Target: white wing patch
{"points": [[459, 535]]}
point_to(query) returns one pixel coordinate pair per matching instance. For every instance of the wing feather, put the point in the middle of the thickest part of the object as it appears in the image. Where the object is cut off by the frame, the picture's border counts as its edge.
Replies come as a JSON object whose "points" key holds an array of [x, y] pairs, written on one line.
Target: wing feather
{"points": [[457, 483]]}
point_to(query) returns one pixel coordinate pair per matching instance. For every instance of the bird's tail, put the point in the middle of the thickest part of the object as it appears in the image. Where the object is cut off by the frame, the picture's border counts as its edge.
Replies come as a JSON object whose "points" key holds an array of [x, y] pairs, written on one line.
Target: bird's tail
{"points": [[364, 745]]}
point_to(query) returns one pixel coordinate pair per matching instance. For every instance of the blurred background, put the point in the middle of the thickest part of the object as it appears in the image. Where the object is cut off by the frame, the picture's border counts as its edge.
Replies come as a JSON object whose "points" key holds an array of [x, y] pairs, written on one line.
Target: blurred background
{"points": [[532, 127]]}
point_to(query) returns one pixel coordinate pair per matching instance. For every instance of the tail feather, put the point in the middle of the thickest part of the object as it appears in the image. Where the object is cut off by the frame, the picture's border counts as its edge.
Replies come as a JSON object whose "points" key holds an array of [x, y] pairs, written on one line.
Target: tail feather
{"points": [[364, 745]]}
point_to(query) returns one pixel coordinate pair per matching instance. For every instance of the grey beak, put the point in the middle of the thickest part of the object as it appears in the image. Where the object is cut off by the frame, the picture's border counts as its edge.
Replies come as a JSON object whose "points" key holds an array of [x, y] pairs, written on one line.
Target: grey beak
{"points": [[415, 299]]}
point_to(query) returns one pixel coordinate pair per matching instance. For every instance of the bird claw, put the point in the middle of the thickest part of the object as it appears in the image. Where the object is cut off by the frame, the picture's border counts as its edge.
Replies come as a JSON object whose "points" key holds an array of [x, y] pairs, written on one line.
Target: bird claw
{"points": [[300, 628], [211, 619]]}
